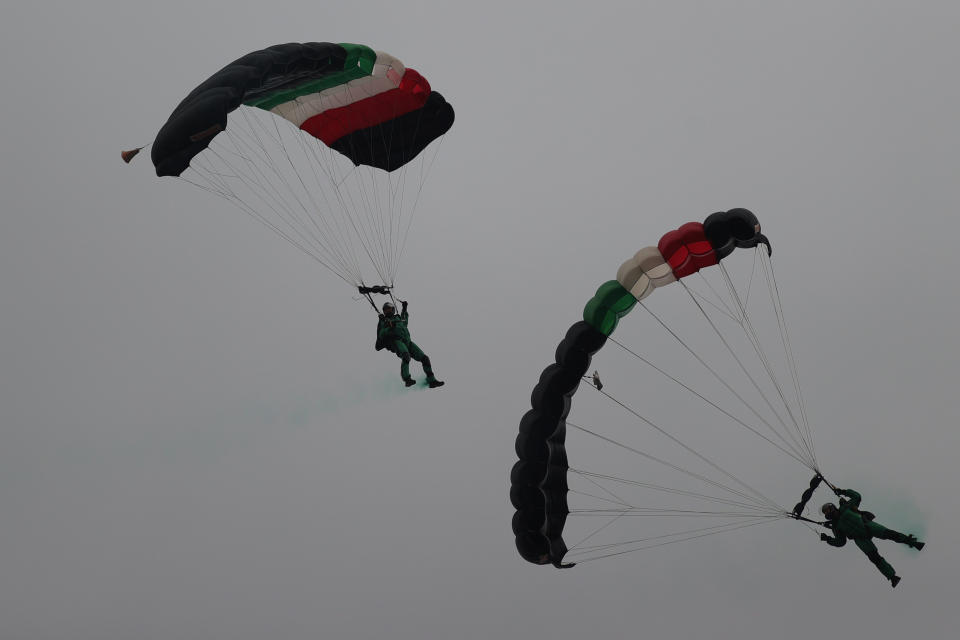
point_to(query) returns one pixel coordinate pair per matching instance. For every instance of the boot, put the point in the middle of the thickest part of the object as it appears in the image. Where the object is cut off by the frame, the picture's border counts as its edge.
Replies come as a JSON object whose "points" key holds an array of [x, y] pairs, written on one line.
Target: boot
{"points": [[409, 382], [913, 542], [894, 581], [435, 383]]}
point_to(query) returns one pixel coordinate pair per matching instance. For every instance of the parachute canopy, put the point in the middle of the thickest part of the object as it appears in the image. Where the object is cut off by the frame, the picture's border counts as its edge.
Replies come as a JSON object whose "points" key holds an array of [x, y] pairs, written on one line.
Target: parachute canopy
{"points": [[541, 478], [362, 103], [314, 140]]}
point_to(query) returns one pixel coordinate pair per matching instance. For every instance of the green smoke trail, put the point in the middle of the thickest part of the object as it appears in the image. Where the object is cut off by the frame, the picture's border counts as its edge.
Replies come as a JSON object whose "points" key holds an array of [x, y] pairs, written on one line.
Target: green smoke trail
{"points": [[893, 507]]}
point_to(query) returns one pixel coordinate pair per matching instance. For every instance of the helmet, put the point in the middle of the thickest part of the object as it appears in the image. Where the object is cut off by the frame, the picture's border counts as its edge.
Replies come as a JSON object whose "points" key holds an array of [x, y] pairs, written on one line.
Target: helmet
{"points": [[388, 305], [827, 508]]}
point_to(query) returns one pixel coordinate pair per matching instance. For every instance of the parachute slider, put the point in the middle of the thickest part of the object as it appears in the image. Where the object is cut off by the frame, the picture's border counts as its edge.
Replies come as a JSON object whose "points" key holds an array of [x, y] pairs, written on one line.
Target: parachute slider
{"points": [[382, 289], [807, 494]]}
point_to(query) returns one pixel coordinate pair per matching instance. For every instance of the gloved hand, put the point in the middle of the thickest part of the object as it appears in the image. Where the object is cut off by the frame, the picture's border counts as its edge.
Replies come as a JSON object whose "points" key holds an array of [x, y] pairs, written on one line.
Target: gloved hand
{"points": [[403, 303]]}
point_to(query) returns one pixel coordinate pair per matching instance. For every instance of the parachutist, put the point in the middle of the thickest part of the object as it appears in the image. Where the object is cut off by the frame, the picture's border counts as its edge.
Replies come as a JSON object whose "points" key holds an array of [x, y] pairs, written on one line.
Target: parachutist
{"points": [[847, 522], [393, 335]]}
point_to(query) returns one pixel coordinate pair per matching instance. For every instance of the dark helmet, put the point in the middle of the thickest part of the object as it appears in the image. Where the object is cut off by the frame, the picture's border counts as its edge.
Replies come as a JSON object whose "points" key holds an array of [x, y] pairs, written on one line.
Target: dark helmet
{"points": [[390, 306]]}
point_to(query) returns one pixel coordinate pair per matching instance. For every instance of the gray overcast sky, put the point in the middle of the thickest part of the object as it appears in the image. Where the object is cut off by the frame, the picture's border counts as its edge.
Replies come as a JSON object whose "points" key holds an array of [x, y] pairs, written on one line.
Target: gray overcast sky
{"points": [[197, 439]]}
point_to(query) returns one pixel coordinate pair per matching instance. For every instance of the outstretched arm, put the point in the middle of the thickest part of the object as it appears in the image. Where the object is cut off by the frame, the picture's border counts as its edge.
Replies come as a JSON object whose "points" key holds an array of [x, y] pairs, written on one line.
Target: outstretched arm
{"points": [[403, 310], [853, 495]]}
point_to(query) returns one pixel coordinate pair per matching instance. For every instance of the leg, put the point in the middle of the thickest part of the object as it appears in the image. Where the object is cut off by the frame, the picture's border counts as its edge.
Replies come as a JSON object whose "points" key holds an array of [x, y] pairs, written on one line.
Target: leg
{"points": [[877, 530], [417, 354], [400, 348], [870, 549]]}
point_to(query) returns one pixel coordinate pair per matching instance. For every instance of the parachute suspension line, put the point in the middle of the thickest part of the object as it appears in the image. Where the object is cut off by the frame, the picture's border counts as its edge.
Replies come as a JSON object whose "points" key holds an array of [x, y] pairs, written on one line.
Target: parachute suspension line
{"points": [[326, 162], [743, 368], [673, 491], [358, 215], [801, 426], [219, 185], [751, 333], [607, 550], [267, 155], [385, 221], [767, 266], [581, 554], [250, 175], [757, 499], [614, 500], [627, 509], [792, 454], [662, 513], [327, 167], [802, 519], [617, 500], [719, 310], [416, 200], [691, 450], [726, 384], [368, 208], [335, 230], [247, 137], [369, 196], [778, 306], [397, 191], [578, 545], [395, 202], [335, 223], [615, 514], [729, 312], [371, 238], [753, 270], [397, 197], [372, 304], [212, 188]]}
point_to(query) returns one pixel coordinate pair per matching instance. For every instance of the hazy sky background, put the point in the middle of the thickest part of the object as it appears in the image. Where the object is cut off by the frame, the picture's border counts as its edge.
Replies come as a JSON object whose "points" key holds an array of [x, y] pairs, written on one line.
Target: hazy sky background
{"points": [[197, 439]]}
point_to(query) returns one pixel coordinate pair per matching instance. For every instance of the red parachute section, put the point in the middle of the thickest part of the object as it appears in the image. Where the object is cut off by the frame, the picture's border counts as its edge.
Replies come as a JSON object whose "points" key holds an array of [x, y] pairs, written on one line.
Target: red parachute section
{"points": [[687, 249]]}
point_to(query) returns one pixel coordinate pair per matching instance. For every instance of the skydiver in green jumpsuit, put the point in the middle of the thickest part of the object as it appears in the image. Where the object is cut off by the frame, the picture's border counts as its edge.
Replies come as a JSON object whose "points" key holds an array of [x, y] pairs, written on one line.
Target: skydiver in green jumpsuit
{"points": [[848, 522], [393, 335]]}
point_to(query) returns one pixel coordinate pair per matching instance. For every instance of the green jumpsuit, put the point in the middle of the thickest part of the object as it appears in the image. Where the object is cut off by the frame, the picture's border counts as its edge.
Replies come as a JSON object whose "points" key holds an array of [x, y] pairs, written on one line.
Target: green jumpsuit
{"points": [[393, 335], [850, 524]]}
